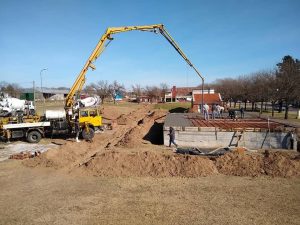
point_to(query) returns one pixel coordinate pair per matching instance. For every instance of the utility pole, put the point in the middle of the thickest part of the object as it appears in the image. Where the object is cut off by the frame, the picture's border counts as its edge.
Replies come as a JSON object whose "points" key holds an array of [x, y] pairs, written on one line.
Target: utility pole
{"points": [[42, 89], [33, 90]]}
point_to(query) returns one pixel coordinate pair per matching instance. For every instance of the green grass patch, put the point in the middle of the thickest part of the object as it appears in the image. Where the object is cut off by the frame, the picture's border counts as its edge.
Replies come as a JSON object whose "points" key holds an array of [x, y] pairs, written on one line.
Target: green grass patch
{"points": [[291, 117], [174, 106], [122, 104]]}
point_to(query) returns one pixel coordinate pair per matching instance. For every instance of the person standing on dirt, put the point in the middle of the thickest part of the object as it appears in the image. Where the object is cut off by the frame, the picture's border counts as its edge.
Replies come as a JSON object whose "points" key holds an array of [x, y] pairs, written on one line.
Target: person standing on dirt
{"points": [[172, 137], [77, 128], [242, 112]]}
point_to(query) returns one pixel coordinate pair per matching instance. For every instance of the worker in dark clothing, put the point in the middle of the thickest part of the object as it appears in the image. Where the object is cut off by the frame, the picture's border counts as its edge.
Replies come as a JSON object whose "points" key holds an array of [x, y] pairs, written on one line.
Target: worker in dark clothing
{"points": [[77, 128], [232, 114], [242, 112], [172, 137]]}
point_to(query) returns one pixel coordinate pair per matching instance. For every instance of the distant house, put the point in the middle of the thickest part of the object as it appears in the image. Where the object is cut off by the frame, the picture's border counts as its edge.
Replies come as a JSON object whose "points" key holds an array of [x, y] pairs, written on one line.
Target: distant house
{"points": [[179, 94], [45, 93], [119, 96], [54, 94], [209, 97], [147, 99], [27, 94]]}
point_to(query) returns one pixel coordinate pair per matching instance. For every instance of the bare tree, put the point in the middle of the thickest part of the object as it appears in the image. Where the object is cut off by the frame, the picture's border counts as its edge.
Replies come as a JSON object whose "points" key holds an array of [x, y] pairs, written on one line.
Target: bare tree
{"points": [[261, 87], [12, 89], [102, 89], [137, 90], [288, 80], [245, 85], [90, 89], [272, 90], [3, 84], [153, 92], [229, 90], [164, 88]]}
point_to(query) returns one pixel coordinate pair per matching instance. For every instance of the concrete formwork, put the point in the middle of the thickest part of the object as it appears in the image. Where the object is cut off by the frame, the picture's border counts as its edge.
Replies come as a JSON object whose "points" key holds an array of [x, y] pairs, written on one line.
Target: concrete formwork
{"points": [[192, 131]]}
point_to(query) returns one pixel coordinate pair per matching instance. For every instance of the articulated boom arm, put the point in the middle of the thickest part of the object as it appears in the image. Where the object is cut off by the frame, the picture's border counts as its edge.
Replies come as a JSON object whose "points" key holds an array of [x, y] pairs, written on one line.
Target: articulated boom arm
{"points": [[78, 84]]}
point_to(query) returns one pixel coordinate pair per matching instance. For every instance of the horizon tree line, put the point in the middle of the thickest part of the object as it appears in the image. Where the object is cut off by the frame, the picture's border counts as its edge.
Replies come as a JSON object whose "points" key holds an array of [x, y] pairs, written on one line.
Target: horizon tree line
{"points": [[280, 87]]}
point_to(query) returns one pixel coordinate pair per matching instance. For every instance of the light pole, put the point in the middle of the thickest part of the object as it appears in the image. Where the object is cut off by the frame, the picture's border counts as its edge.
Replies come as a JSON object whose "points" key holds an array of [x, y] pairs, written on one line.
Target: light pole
{"points": [[42, 88]]}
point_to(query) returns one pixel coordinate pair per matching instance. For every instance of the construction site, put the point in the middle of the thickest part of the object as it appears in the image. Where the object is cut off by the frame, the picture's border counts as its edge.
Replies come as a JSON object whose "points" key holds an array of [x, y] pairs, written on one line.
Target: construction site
{"points": [[134, 147], [84, 160], [131, 160]]}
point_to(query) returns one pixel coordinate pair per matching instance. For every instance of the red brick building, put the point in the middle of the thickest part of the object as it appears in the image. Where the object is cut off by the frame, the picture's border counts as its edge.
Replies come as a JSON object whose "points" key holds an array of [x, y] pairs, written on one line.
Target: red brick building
{"points": [[179, 94], [209, 97]]}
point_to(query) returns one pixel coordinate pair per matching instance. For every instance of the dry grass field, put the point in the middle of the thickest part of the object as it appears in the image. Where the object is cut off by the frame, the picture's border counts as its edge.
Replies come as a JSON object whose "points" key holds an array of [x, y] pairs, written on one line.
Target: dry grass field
{"points": [[48, 196]]}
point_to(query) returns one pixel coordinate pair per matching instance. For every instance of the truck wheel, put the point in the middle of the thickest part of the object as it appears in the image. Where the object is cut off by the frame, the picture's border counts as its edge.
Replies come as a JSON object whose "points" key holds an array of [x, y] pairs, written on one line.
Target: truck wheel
{"points": [[34, 136], [88, 134]]}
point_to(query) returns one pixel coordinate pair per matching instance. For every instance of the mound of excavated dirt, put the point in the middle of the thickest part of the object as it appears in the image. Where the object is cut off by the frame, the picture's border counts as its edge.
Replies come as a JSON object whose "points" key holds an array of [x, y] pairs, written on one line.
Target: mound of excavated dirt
{"points": [[279, 164], [65, 156], [148, 163], [108, 154], [146, 130], [71, 154], [115, 111]]}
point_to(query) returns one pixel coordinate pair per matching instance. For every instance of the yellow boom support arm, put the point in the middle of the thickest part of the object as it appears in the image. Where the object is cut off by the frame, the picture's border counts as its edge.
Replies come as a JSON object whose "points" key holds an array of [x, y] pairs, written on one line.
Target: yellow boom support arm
{"points": [[78, 84]]}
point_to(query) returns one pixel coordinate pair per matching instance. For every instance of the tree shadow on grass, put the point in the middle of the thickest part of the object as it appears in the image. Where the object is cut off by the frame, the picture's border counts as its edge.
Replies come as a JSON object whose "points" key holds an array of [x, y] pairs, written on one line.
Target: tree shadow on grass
{"points": [[178, 110]]}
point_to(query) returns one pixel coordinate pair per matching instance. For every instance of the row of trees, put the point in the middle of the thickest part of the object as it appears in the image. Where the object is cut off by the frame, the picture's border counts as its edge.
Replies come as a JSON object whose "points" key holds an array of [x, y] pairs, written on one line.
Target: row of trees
{"points": [[106, 90], [280, 86], [101, 88], [11, 89], [153, 92]]}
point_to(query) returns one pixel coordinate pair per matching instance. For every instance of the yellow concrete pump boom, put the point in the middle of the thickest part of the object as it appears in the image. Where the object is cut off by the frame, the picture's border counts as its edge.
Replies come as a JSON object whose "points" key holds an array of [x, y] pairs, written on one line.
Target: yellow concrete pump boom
{"points": [[78, 84]]}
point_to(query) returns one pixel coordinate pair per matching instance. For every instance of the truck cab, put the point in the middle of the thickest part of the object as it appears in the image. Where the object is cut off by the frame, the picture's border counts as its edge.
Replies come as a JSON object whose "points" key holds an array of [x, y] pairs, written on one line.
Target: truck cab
{"points": [[90, 116]]}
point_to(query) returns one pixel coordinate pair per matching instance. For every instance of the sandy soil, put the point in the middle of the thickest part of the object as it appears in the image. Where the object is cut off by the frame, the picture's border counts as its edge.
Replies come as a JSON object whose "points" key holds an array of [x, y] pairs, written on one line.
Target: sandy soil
{"points": [[125, 177], [128, 150], [49, 196]]}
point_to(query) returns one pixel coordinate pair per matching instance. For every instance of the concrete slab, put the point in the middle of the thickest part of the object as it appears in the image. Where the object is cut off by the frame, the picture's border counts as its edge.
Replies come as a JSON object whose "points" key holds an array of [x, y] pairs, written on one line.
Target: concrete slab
{"points": [[193, 131]]}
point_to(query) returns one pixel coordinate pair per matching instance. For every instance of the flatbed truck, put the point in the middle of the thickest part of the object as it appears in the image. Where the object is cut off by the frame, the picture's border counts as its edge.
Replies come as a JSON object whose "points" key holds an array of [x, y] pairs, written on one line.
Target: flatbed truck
{"points": [[32, 132]]}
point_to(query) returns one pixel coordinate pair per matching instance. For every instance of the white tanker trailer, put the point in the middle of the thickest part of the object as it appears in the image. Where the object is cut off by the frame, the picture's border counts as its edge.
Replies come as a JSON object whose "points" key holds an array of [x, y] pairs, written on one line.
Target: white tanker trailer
{"points": [[88, 102], [10, 105]]}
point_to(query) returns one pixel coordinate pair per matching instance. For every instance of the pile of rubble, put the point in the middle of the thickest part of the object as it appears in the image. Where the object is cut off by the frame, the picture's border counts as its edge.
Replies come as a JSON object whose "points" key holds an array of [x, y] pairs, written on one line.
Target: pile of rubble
{"points": [[24, 155]]}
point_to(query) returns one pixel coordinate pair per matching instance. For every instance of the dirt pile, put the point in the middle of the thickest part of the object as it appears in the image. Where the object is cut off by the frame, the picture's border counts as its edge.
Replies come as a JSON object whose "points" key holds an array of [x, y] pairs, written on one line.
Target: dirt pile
{"points": [[282, 164], [63, 157], [279, 164], [148, 129], [115, 111], [71, 154], [148, 163], [128, 150]]}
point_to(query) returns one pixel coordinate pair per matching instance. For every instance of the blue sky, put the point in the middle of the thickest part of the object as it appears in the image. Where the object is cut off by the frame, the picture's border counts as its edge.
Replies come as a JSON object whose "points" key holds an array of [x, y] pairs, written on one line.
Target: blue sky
{"points": [[221, 38]]}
